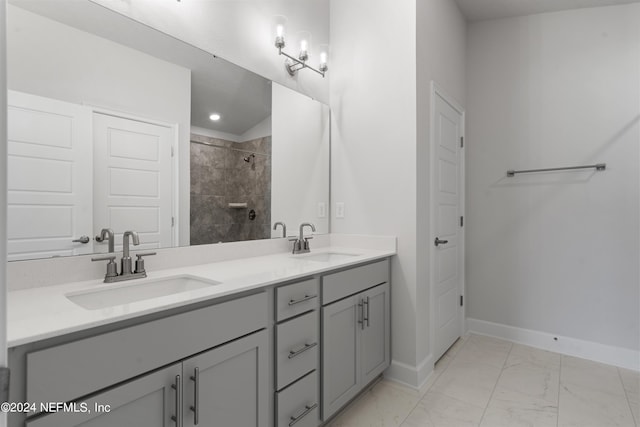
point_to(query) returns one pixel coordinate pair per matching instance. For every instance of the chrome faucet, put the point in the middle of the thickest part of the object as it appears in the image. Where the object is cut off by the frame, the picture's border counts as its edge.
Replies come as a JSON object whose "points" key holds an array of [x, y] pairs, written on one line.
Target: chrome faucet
{"points": [[284, 228], [301, 244], [106, 233], [125, 263], [126, 272]]}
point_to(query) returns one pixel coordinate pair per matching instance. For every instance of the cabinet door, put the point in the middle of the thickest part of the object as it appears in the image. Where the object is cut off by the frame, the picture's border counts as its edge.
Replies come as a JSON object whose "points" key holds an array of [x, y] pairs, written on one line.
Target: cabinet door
{"points": [[232, 387], [149, 401], [375, 345], [340, 353]]}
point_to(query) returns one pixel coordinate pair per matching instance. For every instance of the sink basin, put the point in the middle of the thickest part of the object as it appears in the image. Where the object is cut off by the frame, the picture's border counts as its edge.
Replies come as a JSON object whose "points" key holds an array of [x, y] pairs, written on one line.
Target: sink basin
{"points": [[326, 257], [125, 293]]}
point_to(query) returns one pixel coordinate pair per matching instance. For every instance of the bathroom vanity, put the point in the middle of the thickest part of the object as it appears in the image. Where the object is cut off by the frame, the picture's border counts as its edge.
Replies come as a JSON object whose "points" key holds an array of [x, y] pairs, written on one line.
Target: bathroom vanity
{"points": [[288, 345]]}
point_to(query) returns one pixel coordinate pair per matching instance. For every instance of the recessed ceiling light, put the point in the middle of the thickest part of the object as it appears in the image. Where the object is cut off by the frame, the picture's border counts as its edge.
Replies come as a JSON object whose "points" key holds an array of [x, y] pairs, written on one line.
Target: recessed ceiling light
{"points": [[215, 117]]}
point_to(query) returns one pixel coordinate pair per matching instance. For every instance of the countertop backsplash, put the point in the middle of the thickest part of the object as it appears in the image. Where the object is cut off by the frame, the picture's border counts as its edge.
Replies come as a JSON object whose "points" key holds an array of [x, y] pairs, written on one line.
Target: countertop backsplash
{"points": [[54, 271]]}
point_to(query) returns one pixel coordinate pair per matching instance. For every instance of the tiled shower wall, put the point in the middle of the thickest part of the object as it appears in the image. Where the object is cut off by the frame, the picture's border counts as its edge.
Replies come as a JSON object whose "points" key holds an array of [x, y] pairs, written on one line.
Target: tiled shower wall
{"points": [[220, 176]]}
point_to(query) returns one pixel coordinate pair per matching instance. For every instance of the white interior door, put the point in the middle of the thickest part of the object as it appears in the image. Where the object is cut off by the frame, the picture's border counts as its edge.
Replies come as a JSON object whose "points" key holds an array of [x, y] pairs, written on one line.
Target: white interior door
{"points": [[133, 180], [49, 178], [447, 254]]}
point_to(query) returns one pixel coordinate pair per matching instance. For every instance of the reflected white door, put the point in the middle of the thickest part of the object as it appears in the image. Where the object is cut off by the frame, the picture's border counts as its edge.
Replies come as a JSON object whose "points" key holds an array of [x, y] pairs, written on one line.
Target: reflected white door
{"points": [[447, 254], [133, 180], [49, 177]]}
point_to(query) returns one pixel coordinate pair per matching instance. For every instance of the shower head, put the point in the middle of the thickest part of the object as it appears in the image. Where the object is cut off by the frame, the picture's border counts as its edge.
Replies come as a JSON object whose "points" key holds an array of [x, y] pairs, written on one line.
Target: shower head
{"points": [[249, 158]]}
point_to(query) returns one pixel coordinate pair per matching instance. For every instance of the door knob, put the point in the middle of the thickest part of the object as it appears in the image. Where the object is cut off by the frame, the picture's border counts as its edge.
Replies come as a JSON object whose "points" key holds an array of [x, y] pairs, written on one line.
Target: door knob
{"points": [[82, 239], [440, 242]]}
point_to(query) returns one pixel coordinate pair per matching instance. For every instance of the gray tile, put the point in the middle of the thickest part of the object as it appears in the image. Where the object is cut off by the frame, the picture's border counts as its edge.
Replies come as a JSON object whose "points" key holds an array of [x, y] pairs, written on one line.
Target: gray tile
{"points": [[438, 410], [208, 181], [205, 155], [209, 209]]}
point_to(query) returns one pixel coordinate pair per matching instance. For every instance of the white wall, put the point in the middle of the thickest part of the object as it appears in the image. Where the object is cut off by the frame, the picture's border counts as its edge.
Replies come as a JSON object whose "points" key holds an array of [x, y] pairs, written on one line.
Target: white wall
{"points": [[441, 57], [299, 161], [260, 130], [3, 195], [557, 253], [373, 141], [50, 59], [242, 32], [384, 55]]}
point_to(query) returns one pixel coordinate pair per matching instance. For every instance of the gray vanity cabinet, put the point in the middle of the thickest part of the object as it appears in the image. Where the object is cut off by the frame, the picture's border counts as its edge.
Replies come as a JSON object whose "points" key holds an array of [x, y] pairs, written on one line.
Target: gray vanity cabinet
{"points": [[355, 333], [149, 401], [227, 386], [340, 354], [375, 336]]}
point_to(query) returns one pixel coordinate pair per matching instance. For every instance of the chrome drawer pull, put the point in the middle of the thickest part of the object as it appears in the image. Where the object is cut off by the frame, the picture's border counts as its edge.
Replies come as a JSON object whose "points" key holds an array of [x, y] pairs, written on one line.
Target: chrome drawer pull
{"points": [[366, 318], [196, 396], [294, 353], [361, 319], [306, 298], [177, 418], [307, 409]]}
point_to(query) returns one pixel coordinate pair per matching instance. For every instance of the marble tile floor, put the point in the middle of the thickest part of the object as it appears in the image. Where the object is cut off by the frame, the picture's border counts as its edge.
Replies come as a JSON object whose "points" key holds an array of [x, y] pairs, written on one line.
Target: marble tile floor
{"points": [[487, 382]]}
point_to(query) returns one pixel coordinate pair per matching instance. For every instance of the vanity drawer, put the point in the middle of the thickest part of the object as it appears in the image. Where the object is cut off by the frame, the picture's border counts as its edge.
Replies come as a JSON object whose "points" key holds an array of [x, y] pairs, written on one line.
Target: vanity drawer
{"points": [[69, 371], [296, 298], [339, 285], [298, 404], [297, 348]]}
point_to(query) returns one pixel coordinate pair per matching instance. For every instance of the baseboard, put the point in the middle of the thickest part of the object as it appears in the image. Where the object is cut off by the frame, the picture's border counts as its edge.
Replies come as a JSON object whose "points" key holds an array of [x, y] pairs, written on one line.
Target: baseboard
{"points": [[411, 376], [617, 356]]}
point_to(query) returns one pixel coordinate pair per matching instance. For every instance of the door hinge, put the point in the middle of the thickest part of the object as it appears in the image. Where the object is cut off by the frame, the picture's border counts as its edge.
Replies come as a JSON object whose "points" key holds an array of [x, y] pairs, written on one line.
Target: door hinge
{"points": [[173, 221], [461, 141], [4, 384], [461, 221], [461, 300], [172, 151]]}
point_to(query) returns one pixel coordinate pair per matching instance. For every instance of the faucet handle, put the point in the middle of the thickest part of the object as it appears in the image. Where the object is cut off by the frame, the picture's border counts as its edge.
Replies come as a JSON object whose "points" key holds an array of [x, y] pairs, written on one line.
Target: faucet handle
{"points": [[112, 267], [110, 258], [140, 261]]}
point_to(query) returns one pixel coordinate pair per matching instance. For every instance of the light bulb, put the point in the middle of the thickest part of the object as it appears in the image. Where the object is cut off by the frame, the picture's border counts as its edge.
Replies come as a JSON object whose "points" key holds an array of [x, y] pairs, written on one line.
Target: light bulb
{"points": [[303, 45], [280, 30], [214, 117], [323, 57]]}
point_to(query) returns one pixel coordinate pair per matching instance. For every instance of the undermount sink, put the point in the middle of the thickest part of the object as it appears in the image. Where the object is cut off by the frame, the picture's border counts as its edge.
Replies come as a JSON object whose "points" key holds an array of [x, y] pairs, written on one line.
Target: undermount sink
{"points": [[125, 293], [326, 257]]}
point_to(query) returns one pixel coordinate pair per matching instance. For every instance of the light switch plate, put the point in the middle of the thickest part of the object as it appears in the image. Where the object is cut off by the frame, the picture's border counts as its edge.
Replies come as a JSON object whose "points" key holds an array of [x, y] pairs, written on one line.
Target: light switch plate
{"points": [[322, 209], [339, 209]]}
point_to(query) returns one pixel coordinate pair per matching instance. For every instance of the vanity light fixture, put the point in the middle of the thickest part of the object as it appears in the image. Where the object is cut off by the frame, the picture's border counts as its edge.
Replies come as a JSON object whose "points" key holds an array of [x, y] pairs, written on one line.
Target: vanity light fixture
{"points": [[292, 64], [215, 117]]}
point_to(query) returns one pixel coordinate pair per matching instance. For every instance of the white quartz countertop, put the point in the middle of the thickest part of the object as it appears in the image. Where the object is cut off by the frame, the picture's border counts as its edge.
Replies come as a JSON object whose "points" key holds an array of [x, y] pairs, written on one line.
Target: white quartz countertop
{"points": [[45, 312]]}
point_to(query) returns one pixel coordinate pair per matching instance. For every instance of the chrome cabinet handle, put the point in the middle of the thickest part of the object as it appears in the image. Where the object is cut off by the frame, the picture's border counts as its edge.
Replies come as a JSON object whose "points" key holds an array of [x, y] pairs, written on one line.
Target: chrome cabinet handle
{"points": [[440, 242], [366, 319], [294, 353], [361, 317], [307, 410], [82, 239], [196, 396], [306, 298], [177, 418]]}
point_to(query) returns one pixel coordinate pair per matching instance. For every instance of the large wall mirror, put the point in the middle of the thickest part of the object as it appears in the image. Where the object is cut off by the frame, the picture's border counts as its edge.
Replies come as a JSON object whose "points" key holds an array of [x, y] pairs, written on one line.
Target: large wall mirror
{"points": [[113, 124]]}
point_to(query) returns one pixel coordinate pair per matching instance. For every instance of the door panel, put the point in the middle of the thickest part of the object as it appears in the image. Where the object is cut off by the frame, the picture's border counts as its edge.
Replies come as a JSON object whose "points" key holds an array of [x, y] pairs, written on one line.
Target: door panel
{"points": [[49, 177], [133, 179], [446, 257], [340, 353], [146, 402], [232, 385], [375, 335]]}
